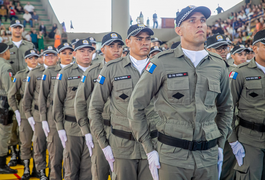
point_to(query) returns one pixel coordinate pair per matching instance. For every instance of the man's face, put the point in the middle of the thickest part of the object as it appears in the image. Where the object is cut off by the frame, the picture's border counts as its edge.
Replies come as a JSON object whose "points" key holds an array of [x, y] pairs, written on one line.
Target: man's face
{"points": [[16, 31], [32, 62], [193, 30], [50, 59], [84, 56], [140, 44], [66, 56], [157, 43], [153, 54], [239, 58], [41, 60], [112, 51], [222, 51], [250, 55], [259, 51]]}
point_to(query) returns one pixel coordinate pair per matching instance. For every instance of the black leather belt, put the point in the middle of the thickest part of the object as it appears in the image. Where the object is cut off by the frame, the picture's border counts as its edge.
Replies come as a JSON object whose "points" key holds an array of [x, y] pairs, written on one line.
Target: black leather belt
{"points": [[107, 122], [185, 144], [70, 118], [251, 125], [36, 107], [128, 135]]}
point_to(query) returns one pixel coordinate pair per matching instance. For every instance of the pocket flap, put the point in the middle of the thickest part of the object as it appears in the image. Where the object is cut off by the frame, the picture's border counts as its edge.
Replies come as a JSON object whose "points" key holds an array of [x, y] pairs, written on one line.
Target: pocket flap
{"points": [[179, 83], [255, 84], [214, 85], [127, 84], [211, 131]]}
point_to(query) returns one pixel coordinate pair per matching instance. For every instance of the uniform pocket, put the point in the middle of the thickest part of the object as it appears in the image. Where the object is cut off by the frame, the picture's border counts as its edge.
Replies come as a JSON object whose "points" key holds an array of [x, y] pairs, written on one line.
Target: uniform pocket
{"points": [[242, 172], [123, 90], [211, 131], [254, 90], [213, 91], [178, 90]]}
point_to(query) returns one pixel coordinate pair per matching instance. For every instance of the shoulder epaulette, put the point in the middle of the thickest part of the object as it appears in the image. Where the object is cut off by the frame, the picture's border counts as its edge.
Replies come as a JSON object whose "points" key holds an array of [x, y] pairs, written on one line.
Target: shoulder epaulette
{"points": [[243, 65], [21, 71], [51, 67], [95, 65], [115, 61], [36, 68], [215, 55], [68, 67], [165, 52]]}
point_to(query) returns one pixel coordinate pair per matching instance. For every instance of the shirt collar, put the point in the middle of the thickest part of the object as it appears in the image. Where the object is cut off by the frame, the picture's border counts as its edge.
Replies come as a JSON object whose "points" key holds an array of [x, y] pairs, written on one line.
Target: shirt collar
{"points": [[252, 63]]}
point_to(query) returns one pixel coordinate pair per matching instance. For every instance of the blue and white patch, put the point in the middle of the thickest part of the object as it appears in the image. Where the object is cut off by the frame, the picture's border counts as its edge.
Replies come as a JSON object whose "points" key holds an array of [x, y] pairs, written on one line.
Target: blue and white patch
{"points": [[83, 79], [59, 76], [43, 77], [233, 75], [28, 79], [101, 79], [14, 80], [150, 67]]}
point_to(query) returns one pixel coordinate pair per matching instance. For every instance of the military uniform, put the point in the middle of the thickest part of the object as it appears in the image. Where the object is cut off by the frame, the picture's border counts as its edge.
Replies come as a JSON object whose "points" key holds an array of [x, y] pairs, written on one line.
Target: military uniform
{"points": [[187, 100], [116, 82], [6, 122], [77, 161], [247, 88], [31, 108], [100, 167]]}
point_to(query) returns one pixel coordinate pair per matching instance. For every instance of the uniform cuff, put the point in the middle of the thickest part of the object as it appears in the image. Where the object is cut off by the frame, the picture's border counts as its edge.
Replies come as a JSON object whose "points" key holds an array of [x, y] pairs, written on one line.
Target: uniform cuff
{"points": [[148, 146], [85, 130], [43, 117], [221, 142], [28, 115], [59, 126], [232, 137]]}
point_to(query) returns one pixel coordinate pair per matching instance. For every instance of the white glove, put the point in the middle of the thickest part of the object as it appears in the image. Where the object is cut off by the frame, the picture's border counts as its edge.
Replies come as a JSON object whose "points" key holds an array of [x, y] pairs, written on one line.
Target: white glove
{"points": [[89, 143], [238, 151], [18, 117], [109, 156], [220, 161], [45, 128], [154, 165], [63, 137], [31, 122]]}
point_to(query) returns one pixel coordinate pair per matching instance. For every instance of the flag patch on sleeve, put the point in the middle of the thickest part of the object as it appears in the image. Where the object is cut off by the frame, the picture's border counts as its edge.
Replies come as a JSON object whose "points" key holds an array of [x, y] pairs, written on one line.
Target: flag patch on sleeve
{"points": [[233, 75], [28, 79], [43, 77], [59, 76], [15, 79], [83, 79], [101, 79], [150, 67], [10, 74]]}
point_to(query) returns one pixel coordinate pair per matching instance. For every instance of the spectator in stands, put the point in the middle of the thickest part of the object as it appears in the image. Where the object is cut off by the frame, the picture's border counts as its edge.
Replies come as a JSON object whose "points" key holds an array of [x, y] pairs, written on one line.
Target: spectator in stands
{"points": [[247, 9], [258, 25], [219, 9], [4, 37], [3, 13], [8, 6], [19, 8], [241, 16], [155, 22], [35, 19], [64, 37], [42, 28], [231, 16], [28, 37], [1, 2], [53, 31], [34, 38], [27, 19], [57, 38], [28, 7], [6, 3], [40, 41], [12, 13]]}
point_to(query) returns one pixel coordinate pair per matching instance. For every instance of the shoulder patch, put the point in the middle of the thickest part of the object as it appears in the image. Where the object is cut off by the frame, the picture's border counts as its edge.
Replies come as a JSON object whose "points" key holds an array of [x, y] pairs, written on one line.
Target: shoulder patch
{"points": [[101, 79], [150, 67], [59, 76], [165, 52], [243, 64], [233, 75], [14, 80], [43, 77], [28, 78], [115, 61], [83, 78]]}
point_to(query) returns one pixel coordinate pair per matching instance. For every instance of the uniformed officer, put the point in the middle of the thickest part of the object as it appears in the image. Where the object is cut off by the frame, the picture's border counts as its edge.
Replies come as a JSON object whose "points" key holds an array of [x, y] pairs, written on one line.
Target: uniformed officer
{"points": [[95, 56], [116, 82], [239, 54], [6, 122], [73, 42], [191, 87], [18, 47], [125, 51], [218, 44], [155, 42], [55, 147], [112, 49], [250, 54], [25, 131], [40, 59], [77, 161], [247, 88], [31, 108], [154, 50]]}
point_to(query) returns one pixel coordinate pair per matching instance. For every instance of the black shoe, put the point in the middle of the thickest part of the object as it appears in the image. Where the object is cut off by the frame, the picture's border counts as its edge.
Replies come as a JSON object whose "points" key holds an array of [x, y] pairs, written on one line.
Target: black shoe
{"points": [[26, 174], [42, 175], [7, 170], [13, 160]]}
